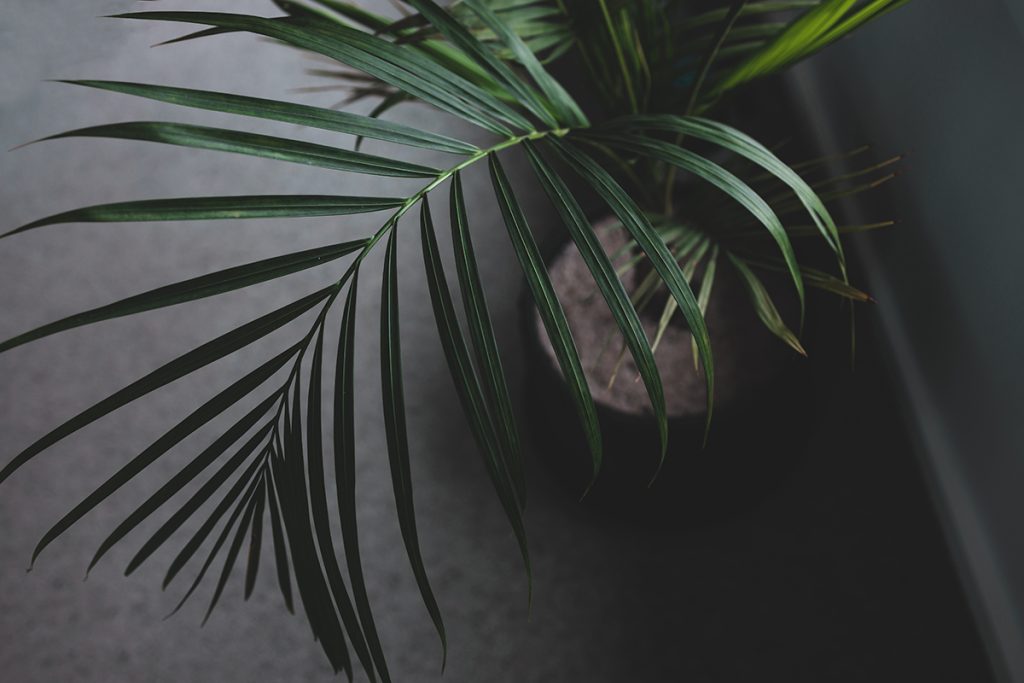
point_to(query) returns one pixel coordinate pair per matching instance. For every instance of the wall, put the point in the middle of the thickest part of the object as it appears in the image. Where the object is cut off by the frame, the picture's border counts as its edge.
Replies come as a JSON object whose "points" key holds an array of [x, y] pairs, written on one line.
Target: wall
{"points": [[940, 80]]}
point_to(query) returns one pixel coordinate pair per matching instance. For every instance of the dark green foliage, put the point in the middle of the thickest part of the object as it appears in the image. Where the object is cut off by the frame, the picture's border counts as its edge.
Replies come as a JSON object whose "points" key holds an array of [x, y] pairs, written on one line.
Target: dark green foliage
{"points": [[484, 62]]}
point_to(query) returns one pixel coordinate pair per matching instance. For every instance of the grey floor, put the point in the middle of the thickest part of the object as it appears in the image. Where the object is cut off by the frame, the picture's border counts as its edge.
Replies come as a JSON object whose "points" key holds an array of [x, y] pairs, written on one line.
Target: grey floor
{"points": [[773, 597]]}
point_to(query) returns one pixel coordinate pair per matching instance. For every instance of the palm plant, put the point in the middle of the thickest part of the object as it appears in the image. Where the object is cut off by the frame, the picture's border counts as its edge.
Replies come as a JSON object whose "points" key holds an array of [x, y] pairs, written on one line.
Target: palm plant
{"points": [[658, 70]]}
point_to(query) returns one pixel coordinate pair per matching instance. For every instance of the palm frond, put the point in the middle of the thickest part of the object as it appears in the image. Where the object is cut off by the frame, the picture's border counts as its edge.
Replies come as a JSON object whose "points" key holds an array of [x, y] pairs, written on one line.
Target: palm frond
{"points": [[288, 112], [482, 62], [485, 343], [609, 284], [810, 31], [496, 435], [639, 226]]}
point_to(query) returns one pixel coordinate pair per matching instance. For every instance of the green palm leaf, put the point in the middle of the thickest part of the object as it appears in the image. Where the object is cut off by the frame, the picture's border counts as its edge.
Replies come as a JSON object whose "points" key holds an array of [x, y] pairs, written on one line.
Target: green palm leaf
{"points": [[742, 144], [398, 440], [314, 591], [608, 283], [287, 112], [192, 289], [255, 542], [421, 79], [568, 112], [280, 546], [468, 386], [716, 16], [463, 39], [704, 296], [345, 473], [236, 499], [179, 367], [244, 528], [726, 182], [764, 305], [317, 490], [218, 208], [445, 55], [200, 497], [485, 345], [550, 310], [639, 227], [202, 415], [812, 30], [266, 146]]}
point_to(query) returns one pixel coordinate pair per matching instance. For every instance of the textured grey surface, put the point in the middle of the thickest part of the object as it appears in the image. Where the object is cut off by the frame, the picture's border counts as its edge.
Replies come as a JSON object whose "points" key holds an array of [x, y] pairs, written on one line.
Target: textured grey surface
{"points": [[769, 599]]}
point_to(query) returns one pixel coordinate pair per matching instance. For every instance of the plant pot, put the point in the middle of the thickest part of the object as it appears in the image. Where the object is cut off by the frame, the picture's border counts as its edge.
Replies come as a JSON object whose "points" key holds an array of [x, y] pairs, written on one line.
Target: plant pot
{"points": [[767, 399]]}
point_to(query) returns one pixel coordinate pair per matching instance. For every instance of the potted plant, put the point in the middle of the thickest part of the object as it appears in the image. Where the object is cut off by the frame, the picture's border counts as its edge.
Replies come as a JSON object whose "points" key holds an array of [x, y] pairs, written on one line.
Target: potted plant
{"points": [[727, 243], [659, 70]]}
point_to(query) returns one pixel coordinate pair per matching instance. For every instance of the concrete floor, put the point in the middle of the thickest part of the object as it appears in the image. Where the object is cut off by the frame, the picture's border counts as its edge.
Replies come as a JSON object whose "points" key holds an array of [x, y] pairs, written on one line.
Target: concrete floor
{"points": [[843, 576]]}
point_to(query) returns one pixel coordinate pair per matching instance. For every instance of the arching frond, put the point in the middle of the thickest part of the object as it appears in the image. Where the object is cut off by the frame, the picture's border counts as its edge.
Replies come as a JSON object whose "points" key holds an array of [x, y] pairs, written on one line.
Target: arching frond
{"points": [[484, 63]]}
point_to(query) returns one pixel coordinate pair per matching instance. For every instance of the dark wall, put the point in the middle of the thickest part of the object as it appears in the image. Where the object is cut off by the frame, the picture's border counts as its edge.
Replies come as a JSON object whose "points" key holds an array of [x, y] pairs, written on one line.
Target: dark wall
{"points": [[941, 81]]}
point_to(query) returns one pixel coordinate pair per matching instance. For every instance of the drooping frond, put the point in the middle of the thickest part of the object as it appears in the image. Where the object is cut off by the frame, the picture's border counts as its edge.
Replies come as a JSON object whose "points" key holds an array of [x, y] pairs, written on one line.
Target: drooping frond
{"points": [[485, 63]]}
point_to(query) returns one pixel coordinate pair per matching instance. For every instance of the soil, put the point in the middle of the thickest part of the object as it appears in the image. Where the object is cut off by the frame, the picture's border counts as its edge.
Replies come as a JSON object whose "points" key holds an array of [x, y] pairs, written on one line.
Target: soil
{"points": [[745, 352]]}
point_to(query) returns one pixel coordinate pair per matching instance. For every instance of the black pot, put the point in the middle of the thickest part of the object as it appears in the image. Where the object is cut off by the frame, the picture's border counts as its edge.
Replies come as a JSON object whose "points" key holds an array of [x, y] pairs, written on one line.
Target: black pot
{"points": [[756, 440]]}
